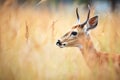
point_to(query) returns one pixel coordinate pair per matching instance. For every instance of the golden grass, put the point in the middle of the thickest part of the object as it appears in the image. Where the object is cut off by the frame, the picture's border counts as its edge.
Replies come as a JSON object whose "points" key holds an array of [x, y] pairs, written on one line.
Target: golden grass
{"points": [[28, 50]]}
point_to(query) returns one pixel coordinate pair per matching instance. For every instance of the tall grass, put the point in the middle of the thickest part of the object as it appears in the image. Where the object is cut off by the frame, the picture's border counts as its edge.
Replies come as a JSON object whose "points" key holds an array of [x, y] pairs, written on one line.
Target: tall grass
{"points": [[28, 37]]}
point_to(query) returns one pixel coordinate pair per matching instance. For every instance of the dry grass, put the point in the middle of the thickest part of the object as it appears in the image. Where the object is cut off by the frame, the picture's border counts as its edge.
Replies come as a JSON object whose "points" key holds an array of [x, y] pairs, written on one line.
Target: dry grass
{"points": [[28, 50]]}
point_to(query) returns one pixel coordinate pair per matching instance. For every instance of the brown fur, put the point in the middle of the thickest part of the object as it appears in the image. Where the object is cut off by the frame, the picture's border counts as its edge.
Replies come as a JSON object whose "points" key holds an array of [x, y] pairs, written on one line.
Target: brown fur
{"points": [[104, 62]]}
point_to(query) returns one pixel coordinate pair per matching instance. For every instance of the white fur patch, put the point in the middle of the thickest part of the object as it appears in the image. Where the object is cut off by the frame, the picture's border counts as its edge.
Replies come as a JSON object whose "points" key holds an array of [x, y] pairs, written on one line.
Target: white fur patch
{"points": [[76, 30], [85, 29], [80, 46]]}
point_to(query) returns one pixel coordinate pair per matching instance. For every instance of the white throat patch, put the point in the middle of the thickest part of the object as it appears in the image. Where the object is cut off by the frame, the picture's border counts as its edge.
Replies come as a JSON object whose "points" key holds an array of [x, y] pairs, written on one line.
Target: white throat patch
{"points": [[80, 46]]}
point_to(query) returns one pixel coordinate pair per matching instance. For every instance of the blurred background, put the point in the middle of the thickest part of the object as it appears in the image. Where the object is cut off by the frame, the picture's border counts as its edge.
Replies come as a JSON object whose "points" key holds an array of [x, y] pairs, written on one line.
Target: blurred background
{"points": [[109, 4], [29, 30]]}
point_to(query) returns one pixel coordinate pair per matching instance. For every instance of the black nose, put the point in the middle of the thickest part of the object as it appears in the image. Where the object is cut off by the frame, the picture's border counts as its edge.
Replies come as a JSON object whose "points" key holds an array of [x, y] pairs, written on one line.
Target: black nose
{"points": [[58, 43]]}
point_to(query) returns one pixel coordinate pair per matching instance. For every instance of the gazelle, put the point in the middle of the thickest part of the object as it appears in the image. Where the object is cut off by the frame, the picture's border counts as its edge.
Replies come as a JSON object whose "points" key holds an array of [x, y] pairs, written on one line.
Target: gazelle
{"points": [[79, 37]]}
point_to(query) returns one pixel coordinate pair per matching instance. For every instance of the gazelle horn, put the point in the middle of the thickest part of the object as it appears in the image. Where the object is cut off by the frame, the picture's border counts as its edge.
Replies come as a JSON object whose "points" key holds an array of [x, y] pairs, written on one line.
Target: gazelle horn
{"points": [[87, 16], [78, 18]]}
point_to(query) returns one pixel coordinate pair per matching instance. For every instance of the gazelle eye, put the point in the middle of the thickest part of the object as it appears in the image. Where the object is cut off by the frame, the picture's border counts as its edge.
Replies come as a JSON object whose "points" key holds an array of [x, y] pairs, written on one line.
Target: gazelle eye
{"points": [[74, 33]]}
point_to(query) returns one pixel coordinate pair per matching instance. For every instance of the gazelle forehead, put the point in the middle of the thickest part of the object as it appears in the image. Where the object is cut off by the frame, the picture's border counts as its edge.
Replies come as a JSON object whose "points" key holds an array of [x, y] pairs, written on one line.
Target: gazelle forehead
{"points": [[76, 28]]}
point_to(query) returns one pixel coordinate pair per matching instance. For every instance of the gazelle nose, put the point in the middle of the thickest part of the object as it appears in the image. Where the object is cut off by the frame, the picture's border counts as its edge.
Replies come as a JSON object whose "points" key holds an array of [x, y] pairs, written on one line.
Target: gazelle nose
{"points": [[58, 43], [64, 44]]}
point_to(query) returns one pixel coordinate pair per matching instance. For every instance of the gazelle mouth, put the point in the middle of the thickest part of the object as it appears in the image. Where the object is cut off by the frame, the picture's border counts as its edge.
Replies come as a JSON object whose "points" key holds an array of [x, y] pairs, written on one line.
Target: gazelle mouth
{"points": [[61, 46]]}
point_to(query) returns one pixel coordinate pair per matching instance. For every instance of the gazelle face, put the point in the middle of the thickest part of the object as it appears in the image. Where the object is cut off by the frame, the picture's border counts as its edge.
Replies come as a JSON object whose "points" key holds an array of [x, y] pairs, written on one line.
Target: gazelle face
{"points": [[72, 38], [78, 35]]}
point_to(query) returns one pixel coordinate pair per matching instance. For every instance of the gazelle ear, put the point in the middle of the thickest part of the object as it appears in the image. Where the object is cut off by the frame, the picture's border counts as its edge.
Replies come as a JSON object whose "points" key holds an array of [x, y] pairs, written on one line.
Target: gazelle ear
{"points": [[92, 23]]}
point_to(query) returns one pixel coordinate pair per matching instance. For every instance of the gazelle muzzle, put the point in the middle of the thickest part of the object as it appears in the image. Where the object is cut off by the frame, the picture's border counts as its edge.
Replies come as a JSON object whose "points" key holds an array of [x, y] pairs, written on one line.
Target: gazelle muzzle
{"points": [[60, 44]]}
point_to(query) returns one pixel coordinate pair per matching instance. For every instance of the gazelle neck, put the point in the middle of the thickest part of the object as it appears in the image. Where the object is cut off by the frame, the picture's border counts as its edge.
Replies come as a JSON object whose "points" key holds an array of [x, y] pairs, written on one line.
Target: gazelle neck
{"points": [[87, 47], [89, 52]]}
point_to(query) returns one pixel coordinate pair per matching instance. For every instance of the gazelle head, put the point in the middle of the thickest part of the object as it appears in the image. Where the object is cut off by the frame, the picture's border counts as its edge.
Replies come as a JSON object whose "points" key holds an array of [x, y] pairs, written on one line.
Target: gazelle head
{"points": [[79, 33]]}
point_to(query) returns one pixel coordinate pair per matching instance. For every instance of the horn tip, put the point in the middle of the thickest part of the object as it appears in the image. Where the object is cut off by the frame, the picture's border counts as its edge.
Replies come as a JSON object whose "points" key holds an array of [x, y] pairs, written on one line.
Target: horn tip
{"points": [[89, 6]]}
